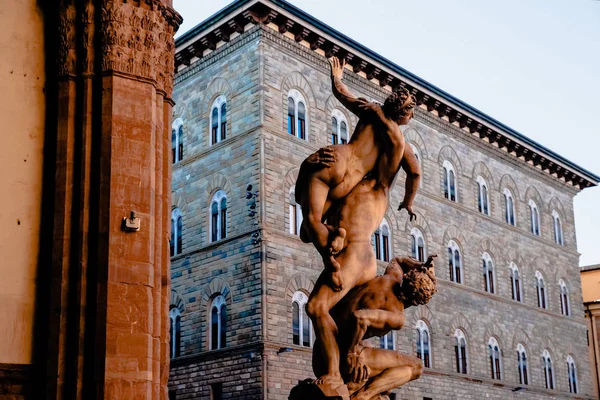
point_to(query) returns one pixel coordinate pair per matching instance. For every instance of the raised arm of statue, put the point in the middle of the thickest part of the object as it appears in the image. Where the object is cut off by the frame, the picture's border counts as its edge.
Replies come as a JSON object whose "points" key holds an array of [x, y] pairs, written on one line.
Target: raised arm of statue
{"points": [[341, 92]]}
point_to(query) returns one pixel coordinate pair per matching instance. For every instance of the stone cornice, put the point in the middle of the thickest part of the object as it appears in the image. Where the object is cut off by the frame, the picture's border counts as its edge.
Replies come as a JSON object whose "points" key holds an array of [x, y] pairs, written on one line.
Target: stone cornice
{"points": [[288, 20]]}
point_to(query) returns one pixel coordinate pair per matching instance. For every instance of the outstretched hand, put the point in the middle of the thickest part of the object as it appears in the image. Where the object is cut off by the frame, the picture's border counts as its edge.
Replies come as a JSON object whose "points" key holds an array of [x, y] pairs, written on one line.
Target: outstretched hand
{"points": [[324, 157], [337, 67], [429, 262], [408, 208]]}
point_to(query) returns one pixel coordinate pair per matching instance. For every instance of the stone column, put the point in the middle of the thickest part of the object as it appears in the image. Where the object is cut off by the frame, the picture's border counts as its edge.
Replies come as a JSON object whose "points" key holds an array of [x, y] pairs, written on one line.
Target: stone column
{"points": [[109, 326]]}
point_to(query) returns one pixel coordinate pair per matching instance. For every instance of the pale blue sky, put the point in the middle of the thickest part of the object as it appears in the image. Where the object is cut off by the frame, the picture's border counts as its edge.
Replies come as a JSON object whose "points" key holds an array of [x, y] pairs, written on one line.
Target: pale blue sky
{"points": [[532, 64]]}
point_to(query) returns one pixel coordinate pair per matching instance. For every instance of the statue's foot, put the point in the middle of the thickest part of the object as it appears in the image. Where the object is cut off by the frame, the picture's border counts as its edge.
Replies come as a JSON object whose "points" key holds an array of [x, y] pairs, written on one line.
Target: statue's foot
{"points": [[337, 241], [329, 379]]}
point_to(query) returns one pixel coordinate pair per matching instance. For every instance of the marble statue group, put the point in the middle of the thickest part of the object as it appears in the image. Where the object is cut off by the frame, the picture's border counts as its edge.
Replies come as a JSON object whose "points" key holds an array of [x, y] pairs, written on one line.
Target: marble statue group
{"points": [[343, 191]]}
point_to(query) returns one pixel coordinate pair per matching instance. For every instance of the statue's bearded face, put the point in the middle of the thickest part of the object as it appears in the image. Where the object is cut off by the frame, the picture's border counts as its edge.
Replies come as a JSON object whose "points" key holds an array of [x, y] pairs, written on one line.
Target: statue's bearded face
{"points": [[400, 106]]}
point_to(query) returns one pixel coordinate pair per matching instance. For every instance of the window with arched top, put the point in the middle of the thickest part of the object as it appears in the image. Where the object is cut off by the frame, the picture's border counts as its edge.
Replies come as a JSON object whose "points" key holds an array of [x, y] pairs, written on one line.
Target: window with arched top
{"points": [[387, 341], [495, 359], [417, 247], [565, 305], [175, 332], [535, 218], [522, 365], [515, 282], [295, 213], [301, 324], [218, 216], [548, 369], [176, 232], [450, 185], [558, 230], [381, 241], [297, 114], [423, 343], [460, 351], [483, 198], [572, 371], [509, 208], [177, 141], [218, 120], [488, 273], [339, 128], [542, 294], [454, 262], [218, 323]]}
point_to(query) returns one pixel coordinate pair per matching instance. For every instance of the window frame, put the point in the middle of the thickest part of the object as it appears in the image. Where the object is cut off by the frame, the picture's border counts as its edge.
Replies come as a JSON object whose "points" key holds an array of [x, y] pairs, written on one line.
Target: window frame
{"points": [[495, 354], [217, 199], [534, 218], [381, 240], [483, 196], [424, 354], [449, 173], [565, 302], [542, 290], [295, 217], [301, 299], [461, 358], [548, 368], [297, 98], [415, 252], [510, 214], [177, 141], [175, 332], [455, 268], [219, 135], [489, 283], [339, 136], [516, 284], [558, 228], [176, 243], [572, 375], [522, 364], [388, 341], [220, 304]]}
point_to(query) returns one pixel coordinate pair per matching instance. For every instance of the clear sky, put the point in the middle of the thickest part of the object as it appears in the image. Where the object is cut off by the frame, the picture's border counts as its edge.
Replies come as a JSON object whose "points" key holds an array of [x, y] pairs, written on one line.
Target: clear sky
{"points": [[533, 65]]}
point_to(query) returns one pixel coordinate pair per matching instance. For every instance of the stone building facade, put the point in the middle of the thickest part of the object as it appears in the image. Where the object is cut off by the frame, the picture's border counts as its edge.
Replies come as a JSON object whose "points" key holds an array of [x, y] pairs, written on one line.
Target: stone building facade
{"points": [[501, 203]]}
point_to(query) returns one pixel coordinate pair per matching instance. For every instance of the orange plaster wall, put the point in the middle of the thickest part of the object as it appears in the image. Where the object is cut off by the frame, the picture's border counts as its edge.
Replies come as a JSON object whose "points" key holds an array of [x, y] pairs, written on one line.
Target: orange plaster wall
{"points": [[590, 285], [22, 114]]}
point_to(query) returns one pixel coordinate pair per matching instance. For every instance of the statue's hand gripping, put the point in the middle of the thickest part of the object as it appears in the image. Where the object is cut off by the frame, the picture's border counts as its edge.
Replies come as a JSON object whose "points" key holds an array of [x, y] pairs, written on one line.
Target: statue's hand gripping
{"points": [[358, 371], [408, 208]]}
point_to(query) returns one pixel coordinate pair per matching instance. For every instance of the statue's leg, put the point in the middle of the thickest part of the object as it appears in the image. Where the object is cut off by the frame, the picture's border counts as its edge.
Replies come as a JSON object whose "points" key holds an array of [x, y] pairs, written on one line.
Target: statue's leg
{"points": [[389, 370], [314, 204], [321, 300]]}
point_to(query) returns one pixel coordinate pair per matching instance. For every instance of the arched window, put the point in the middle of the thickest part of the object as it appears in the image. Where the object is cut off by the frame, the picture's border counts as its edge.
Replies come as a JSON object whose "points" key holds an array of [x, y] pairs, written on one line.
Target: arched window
{"points": [[450, 186], [558, 231], [218, 325], [548, 369], [572, 371], [460, 351], [423, 343], [296, 114], [535, 218], [483, 198], [454, 262], [175, 332], [515, 282], [176, 230], [417, 247], [495, 359], [339, 128], [522, 365], [381, 242], [565, 306], [509, 208], [488, 273], [295, 213], [218, 216], [301, 324], [177, 141], [387, 341], [218, 120], [542, 296]]}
